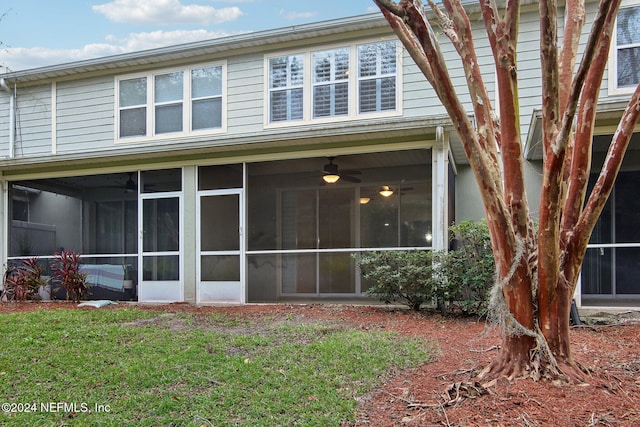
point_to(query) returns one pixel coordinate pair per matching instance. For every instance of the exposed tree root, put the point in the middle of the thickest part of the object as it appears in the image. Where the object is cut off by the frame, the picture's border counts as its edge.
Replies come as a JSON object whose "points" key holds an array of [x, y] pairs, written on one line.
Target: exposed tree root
{"points": [[536, 367]]}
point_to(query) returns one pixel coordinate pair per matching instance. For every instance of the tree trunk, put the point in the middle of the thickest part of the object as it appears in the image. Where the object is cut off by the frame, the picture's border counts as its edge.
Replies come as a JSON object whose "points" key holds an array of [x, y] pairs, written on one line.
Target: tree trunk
{"points": [[536, 273]]}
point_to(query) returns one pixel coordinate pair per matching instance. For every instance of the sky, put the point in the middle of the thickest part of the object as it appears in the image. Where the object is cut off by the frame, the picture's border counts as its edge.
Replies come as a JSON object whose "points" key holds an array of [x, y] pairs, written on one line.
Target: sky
{"points": [[38, 33]]}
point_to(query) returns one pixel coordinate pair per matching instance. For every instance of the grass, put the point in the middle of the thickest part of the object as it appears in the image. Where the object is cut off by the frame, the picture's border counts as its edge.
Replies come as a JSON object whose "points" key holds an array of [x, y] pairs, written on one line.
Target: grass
{"points": [[127, 367]]}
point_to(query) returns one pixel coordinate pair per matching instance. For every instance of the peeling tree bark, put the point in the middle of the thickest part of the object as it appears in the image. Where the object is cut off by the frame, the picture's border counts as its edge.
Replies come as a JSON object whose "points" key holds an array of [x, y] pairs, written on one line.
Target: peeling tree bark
{"points": [[537, 273]]}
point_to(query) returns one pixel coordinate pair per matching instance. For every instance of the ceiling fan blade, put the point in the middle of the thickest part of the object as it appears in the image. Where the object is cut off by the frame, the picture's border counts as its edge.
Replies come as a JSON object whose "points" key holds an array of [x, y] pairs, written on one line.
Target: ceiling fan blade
{"points": [[350, 178], [350, 172]]}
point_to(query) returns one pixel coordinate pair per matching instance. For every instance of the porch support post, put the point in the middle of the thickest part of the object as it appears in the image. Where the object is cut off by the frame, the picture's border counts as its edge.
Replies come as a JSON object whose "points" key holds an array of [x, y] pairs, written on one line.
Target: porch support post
{"points": [[440, 203]]}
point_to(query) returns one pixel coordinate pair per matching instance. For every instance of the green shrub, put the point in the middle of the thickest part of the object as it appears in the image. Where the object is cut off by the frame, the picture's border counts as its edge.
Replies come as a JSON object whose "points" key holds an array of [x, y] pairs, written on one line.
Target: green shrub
{"points": [[404, 277], [469, 269]]}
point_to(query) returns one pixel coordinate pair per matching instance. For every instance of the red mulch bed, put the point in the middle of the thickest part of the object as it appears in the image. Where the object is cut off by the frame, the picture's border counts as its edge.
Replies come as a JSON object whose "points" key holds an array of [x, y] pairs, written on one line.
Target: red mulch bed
{"points": [[417, 397]]}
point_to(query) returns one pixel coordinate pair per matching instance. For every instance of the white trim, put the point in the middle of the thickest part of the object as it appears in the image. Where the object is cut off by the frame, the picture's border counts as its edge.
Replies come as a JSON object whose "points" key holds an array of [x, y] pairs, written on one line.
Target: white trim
{"points": [[227, 291], [178, 291], [307, 86], [186, 104]]}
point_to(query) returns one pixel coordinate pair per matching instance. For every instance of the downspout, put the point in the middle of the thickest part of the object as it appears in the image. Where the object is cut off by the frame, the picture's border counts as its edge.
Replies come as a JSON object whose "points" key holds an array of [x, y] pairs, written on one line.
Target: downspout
{"points": [[12, 115]]}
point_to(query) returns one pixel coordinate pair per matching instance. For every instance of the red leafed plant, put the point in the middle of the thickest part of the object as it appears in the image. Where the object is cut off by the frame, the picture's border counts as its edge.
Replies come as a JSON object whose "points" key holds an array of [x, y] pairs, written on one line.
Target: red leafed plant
{"points": [[65, 270], [22, 282]]}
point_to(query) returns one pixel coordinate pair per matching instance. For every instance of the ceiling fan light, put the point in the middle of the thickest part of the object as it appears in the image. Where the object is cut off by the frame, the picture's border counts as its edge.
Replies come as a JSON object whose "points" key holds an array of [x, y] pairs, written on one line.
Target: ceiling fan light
{"points": [[364, 200], [386, 191], [331, 178]]}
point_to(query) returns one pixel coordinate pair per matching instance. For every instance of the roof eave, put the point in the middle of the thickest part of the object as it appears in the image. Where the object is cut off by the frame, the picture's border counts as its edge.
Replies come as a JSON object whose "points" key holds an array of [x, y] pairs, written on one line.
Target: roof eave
{"points": [[251, 40]]}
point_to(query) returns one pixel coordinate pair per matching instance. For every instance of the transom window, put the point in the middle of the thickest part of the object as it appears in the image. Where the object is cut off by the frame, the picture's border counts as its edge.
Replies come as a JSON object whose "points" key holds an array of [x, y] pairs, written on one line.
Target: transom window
{"points": [[625, 61], [341, 82], [179, 101]]}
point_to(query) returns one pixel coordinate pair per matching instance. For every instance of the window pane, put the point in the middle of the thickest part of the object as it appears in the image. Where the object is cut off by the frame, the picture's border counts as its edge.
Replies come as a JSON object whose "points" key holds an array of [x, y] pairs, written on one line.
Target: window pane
{"points": [[331, 65], [368, 96], [133, 92], [206, 82], [377, 95], [628, 66], [628, 26], [331, 90], [207, 114], [377, 59], [286, 105], [169, 118], [286, 71], [388, 94], [331, 100], [367, 60], [168, 87], [133, 122]]}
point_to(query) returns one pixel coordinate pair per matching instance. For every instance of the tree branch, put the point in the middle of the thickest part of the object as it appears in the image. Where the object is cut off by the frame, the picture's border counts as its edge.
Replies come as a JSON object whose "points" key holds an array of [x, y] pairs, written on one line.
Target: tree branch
{"points": [[579, 239], [594, 62]]}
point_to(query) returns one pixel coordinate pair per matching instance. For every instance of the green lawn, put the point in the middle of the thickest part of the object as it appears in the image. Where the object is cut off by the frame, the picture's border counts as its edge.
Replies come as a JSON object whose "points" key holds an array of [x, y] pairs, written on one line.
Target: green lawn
{"points": [[131, 367]]}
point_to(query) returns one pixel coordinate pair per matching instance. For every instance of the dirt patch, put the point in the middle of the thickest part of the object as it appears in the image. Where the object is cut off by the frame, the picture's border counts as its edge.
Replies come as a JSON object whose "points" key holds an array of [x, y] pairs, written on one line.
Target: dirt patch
{"points": [[442, 393]]}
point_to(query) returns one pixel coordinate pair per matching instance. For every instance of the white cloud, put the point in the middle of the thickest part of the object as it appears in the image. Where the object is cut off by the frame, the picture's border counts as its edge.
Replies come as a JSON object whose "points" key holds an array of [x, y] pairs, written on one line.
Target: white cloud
{"points": [[165, 12], [25, 58], [296, 15]]}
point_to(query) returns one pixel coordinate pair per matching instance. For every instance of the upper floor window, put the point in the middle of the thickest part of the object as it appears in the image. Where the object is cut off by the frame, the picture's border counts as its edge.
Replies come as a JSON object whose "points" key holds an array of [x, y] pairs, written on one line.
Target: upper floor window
{"points": [[377, 77], [285, 87], [341, 82], [625, 64], [180, 101]]}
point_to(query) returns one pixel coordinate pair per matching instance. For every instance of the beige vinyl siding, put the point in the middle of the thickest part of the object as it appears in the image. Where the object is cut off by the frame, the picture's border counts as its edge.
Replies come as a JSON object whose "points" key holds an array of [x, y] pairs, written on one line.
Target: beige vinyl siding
{"points": [[4, 124], [85, 115], [245, 89], [33, 121]]}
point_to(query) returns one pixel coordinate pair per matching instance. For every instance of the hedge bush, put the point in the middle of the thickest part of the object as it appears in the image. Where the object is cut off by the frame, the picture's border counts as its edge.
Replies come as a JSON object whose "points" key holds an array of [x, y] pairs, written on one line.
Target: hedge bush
{"points": [[458, 280]]}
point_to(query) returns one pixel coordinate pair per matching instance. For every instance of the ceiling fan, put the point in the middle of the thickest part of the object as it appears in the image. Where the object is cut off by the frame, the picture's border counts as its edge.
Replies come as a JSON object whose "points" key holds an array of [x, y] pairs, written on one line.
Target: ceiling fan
{"points": [[331, 173]]}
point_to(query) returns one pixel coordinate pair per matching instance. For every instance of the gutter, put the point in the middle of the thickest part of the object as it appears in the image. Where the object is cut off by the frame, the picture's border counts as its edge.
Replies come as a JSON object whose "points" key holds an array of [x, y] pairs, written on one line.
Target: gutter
{"points": [[12, 115]]}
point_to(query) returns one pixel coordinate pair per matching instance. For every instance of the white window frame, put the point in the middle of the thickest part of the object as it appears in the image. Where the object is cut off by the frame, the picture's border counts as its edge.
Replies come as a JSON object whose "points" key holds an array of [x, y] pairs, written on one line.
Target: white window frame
{"points": [[307, 115], [186, 101], [613, 88]]}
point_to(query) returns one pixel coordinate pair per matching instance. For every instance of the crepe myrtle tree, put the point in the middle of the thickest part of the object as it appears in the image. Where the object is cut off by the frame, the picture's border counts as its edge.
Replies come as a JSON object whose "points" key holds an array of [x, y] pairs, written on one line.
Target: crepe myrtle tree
{"points": [[537, 267]]}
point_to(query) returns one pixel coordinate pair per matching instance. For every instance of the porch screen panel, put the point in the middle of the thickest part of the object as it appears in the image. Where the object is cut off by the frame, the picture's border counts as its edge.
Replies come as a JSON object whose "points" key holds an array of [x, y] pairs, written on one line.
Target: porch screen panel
{"points": [[337, 273], [597, 272], [336, 218], [299, 219]]}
